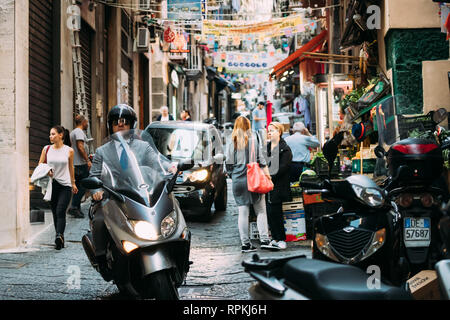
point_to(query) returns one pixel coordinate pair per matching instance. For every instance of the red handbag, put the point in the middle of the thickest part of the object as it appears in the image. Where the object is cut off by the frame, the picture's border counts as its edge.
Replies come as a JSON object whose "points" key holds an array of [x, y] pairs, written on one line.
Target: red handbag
{"points": [[257, 181]]}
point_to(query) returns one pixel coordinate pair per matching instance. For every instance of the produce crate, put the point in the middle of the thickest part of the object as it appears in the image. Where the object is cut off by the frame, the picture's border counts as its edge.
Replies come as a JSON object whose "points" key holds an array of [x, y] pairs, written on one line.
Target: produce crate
{"points": [[294, 225], [406, 124], [296, 192], [320, 166]]}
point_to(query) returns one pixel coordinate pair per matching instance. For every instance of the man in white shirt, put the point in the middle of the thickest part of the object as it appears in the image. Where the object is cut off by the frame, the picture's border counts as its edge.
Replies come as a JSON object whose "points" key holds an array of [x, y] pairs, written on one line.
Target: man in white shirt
{"points": [[299, 143]]}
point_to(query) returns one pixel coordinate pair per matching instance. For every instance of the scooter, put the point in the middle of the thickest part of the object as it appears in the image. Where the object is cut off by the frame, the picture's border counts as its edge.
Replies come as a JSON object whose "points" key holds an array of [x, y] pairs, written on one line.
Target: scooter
{"points": [[147, 239], [365, 229], [299, 278], [414, 166]]}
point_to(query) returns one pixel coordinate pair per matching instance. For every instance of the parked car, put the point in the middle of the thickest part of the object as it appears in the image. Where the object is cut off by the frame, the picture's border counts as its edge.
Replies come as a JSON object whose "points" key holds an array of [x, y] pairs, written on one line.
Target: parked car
{"points": [[205, 184]]}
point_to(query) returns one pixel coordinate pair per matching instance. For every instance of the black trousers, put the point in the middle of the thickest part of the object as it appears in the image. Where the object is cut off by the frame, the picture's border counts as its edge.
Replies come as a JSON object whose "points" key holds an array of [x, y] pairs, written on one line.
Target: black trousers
{"points": [[276, 221], [296, 171], [61, 196]]}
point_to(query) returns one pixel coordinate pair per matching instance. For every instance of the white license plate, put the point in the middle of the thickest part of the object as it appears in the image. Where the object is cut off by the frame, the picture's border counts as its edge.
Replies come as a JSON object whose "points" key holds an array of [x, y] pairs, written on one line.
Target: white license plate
{"points": [[417, 229]]}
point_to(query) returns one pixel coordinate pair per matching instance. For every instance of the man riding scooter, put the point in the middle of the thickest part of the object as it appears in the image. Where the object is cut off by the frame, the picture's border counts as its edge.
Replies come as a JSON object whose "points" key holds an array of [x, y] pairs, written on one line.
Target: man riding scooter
{"points": [[120, 118]]}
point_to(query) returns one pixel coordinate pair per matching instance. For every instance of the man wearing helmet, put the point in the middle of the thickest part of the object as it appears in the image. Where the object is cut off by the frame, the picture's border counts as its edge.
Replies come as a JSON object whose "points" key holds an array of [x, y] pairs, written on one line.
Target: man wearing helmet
{"points": [[120, 118]]}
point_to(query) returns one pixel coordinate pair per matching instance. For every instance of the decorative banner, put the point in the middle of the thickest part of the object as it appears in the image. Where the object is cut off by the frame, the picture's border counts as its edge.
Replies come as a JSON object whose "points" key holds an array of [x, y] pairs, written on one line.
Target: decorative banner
{"points": [[210, 40], [223, 41], [244, 62], [169, 35], [236, 41], [180, 44], [184, 9]]}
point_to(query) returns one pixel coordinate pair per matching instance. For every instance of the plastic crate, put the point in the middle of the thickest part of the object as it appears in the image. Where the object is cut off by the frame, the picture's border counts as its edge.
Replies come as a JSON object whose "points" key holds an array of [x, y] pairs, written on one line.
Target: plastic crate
{"points": [[406, 124], [320, 166], [295, 225], [368, 165]]}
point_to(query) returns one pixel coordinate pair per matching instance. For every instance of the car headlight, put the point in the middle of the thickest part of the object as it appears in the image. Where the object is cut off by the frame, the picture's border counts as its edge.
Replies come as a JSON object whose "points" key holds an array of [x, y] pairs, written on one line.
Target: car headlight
{"points": [[378, 239], [323, 245], [370, 196], [199, 175], [145, 230], [169, 224]]}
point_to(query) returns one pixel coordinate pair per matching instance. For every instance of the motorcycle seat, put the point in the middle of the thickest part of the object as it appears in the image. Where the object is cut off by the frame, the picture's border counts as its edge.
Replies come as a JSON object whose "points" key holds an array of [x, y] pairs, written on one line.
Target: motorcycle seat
{"points": [[324, 280]]}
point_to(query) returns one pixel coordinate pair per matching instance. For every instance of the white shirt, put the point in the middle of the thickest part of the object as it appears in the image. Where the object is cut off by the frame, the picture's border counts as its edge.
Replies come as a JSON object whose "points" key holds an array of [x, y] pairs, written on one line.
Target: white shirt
{"points": [[58, 160], [299, 144]]}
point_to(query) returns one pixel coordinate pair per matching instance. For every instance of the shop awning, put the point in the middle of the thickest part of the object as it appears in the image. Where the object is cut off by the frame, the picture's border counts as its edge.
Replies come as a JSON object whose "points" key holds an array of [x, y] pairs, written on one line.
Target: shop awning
{"points": [[298, 55]]}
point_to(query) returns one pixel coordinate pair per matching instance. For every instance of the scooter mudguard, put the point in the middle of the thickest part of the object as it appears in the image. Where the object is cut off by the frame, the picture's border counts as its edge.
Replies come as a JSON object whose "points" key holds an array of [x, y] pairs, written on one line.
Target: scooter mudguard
{"points": [[156, 259]]}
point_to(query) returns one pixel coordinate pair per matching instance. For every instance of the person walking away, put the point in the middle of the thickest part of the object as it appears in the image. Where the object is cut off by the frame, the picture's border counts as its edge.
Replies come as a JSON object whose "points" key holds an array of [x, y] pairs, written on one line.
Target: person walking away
{"points": [[186, 115], [238, 156], [81, 162], [259, 117], [164, 116], [59, 156], [299, 142], [279, 158]]}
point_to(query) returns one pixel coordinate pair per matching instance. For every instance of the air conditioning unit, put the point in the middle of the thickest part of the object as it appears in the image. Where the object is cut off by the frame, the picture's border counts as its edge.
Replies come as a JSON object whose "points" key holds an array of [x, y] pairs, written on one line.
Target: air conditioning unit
{"points": [[142, 38], [144, 5]]}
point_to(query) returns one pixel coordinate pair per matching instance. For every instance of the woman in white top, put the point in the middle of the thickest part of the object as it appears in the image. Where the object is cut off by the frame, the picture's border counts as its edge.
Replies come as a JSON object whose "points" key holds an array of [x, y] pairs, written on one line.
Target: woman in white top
{"points": [[59, 157]]}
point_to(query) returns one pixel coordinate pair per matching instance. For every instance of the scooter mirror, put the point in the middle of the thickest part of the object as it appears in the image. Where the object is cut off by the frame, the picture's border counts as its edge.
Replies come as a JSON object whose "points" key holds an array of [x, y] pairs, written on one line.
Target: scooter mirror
{"points": [[380, 152], [92, 183], [439, 115]]}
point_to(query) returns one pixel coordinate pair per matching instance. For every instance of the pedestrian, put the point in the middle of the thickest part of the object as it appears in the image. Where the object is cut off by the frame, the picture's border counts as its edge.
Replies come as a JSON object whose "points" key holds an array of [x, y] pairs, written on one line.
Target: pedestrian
{"points": [[299, 142], [121, 118], [164, 116], [279, 157], [259, 117], [186, 115], [81, 162], [238, 156], [59, 156]]}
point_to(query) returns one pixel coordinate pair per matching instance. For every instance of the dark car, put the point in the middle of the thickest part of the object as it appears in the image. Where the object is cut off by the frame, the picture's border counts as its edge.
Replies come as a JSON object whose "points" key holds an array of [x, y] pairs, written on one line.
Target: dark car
{"points": [[205, 184]]}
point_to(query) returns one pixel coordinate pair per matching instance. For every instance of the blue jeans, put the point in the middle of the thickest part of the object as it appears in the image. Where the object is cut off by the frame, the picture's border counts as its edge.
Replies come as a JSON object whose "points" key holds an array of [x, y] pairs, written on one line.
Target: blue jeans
{"points": [[81, 172]]}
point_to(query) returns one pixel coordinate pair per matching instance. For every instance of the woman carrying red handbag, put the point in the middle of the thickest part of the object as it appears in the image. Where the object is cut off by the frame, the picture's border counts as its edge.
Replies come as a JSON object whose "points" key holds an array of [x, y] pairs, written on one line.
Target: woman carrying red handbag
{"points": [[238, 157], [279, 158]]}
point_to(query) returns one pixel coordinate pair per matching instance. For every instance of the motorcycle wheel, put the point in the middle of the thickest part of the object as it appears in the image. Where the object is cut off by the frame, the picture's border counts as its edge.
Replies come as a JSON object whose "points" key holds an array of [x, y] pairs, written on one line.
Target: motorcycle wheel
{"points": [[160, 286]]}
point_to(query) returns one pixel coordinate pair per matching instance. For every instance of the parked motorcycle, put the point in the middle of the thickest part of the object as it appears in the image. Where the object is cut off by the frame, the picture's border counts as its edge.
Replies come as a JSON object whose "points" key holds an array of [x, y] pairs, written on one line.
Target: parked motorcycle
{"points": [[299, 278], [147, 239], [415, 166]]}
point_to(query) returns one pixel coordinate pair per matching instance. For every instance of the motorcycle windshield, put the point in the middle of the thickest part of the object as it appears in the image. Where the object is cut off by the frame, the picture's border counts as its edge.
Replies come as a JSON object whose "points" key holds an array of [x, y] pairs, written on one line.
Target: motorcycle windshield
{"points": [[133, 166]]}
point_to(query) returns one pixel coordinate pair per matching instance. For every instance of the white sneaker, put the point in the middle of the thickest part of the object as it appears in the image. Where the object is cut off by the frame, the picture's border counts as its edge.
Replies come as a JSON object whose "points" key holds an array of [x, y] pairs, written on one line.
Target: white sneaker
{"points": [[281, 245]]}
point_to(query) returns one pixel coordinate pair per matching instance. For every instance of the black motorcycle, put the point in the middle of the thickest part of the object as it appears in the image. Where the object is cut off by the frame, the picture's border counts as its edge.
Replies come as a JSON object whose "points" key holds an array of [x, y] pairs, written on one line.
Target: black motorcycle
{"points": [[299, 278], [147, 239]]}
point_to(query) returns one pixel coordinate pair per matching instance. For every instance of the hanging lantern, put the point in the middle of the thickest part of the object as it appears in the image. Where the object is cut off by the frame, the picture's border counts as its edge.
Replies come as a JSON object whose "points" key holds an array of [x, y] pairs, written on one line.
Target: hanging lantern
{"points": [[169, 35]]}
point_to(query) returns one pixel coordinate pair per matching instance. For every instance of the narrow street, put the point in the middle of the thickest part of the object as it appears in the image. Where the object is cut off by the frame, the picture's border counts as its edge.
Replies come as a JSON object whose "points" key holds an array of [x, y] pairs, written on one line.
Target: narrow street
{"points": [[42, 273]]}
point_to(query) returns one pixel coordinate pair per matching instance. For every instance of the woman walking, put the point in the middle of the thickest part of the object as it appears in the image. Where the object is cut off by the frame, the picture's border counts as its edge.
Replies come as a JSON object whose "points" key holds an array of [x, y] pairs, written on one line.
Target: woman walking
{"points": [[280, 158], [59, 156], [238, 156]]}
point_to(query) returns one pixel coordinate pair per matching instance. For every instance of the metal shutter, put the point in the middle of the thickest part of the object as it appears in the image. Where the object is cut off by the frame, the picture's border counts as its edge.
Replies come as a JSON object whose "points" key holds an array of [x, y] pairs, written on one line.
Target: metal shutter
{"points": [[86, 35], [40, 85]]}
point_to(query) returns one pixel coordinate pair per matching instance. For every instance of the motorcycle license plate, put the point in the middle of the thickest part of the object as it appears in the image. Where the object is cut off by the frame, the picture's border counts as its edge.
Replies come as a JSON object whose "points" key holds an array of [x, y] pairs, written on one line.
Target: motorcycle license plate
{"points": [[417, 232]]}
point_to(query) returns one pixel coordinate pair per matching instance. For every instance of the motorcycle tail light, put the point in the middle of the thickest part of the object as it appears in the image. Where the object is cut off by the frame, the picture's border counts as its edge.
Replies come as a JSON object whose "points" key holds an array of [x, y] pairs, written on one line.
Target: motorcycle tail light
{"points": [[427, 200], [405, 200]]}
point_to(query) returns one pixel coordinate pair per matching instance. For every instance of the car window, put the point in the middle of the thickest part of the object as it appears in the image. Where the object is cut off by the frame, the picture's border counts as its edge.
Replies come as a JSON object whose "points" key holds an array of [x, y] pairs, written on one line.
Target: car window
{"points": [[178, 144]]}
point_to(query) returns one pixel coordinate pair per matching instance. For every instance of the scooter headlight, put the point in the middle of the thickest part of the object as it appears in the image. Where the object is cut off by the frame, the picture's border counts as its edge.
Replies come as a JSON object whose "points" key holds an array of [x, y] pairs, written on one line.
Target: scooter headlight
{"points": [[145, 230], [169, 224], [199, 175], [324, 247], [370, 196], [378, 239]]}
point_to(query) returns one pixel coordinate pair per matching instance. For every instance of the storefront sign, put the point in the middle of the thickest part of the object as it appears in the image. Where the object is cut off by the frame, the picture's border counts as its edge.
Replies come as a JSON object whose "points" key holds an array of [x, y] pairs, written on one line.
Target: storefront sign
{"points": [[242, 62]]}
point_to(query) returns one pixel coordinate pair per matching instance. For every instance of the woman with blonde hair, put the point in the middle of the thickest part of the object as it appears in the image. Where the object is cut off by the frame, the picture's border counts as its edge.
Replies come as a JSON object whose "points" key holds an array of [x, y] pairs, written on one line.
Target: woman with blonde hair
{"points": [[238, 156], [279, 158]]}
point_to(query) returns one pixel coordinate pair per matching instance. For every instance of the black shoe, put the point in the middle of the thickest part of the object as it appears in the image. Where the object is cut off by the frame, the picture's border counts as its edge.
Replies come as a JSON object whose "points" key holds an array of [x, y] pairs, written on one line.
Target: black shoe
{"points": [[248, 248], [59, 242]]}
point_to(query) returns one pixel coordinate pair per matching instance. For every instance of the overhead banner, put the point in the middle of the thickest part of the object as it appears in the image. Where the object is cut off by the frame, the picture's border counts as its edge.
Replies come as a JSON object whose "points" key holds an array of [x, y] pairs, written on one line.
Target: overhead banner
{"points": [[244, 62], [185, 9]]}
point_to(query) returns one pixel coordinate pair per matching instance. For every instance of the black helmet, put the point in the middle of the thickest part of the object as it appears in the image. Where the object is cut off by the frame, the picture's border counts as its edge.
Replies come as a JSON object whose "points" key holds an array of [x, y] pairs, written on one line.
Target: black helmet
{"points": [[121, 111]]}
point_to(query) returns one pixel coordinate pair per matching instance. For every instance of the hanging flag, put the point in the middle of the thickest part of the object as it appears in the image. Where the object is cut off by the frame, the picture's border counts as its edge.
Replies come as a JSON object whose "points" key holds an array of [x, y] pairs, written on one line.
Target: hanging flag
{"points": [[301, 28], [223, 40], [169, 35], [210, 40], [236, 41]]}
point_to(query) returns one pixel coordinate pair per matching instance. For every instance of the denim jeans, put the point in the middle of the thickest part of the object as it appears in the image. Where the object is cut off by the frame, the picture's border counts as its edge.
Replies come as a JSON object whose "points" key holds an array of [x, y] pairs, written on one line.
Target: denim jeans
{"points": [[261, 221], [81, 172]]}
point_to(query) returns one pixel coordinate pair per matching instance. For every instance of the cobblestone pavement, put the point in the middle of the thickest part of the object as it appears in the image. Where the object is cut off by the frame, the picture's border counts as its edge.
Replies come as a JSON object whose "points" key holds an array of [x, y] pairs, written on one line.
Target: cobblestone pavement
{"points": [[39, 272]]}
